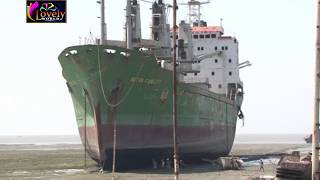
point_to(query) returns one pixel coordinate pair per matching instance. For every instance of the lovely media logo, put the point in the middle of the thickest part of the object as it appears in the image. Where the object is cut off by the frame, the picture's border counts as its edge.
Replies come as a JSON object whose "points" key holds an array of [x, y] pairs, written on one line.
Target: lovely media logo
{"points": [[46, 11]]}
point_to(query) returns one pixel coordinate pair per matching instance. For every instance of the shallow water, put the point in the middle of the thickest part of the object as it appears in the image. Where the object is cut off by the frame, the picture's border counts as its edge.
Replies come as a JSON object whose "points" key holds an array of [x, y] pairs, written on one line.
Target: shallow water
{"points": [[266, 161], [41, 140], [75, 139], [269, 139]]}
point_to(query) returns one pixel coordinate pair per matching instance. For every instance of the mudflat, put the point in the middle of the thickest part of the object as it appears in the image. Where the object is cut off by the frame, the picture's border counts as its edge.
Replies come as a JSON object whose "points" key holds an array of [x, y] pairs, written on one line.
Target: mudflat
{"points": [[67, 162]]}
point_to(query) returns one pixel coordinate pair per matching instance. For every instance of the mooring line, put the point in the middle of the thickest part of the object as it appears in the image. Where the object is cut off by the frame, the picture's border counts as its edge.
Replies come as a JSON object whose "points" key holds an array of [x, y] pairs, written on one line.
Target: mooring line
{"points": [[102, 87]]}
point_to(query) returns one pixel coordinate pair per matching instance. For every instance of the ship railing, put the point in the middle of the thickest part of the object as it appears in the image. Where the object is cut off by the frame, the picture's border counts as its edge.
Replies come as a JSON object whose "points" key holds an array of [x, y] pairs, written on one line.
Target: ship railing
{"points": [[181, 68], [204, 80]]}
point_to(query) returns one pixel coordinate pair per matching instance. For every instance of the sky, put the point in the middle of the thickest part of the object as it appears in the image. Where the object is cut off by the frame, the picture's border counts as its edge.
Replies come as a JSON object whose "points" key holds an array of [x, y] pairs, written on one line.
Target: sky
{"points": [[277, 36]]}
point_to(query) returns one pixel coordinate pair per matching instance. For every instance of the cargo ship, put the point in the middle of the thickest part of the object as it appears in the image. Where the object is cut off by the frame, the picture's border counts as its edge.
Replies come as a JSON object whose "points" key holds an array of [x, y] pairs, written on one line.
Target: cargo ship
{"points": [[122, 90], [308, 138]]}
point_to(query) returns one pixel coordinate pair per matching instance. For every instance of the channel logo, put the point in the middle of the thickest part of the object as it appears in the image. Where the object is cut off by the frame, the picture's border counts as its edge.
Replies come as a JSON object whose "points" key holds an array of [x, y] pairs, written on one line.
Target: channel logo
{"points": [[46, 11]]}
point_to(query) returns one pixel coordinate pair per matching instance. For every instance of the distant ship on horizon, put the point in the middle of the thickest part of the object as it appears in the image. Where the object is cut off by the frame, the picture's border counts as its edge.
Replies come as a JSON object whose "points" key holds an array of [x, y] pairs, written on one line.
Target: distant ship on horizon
{"points": [[128, 85], [308, 139]]}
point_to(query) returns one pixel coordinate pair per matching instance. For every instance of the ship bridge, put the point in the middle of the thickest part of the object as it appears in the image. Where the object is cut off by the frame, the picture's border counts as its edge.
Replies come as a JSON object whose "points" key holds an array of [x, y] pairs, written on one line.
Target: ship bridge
{"points": [[215, 58]]}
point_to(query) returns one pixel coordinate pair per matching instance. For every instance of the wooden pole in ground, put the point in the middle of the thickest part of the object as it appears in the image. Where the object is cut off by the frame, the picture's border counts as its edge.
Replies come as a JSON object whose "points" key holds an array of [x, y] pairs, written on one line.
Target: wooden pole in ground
{"points": [[114, 148], [315, 134], [85, 129], [174, 119], [115, 98]]}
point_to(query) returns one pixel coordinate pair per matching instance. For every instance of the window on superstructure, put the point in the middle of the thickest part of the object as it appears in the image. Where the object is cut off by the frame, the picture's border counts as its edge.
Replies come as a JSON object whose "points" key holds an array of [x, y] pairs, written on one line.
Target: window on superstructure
{"points": [[156, 21], [216, 60], [230, 73], [226, 48], [202, 48], [213, 36], [196, 36], [195, 74], [220, 86], [212, 73], [208, 36], [222, 48], [230, 61], [216, 48], [198, 48], [156, 36], [201, 36]]}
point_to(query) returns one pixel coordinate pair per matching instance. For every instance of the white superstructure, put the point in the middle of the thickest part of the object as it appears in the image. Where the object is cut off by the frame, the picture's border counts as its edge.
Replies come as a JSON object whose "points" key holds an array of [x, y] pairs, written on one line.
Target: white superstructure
{"points": [[205, 56], [213, 60], [220, 69]]}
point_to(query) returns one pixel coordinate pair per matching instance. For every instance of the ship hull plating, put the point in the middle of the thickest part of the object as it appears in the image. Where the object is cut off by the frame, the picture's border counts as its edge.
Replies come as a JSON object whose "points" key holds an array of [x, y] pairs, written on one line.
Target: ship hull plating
{"points": [[115, 87]]}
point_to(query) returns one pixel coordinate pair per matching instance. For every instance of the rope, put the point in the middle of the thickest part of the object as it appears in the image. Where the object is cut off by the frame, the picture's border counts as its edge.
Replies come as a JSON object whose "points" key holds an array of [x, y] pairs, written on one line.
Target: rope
{"points": [[102, 88]]}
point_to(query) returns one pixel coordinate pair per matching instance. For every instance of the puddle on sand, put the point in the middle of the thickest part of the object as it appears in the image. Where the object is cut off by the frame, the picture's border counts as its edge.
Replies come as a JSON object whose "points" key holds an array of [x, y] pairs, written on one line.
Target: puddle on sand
{"points": [[68, 171], [44, 175], [20, 172], [273, 161]]}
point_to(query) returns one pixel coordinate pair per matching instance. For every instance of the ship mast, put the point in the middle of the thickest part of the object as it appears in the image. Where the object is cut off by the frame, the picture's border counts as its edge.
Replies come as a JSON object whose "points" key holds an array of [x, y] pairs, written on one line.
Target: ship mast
{"points": [[315, 136], [103, 24], [133, 24], [128, 25], [195, 11]]}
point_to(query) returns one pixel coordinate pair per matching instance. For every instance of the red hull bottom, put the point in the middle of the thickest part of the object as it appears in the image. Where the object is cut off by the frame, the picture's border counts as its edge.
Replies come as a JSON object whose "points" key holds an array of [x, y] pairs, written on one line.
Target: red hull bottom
{"points": [[139, 145]]}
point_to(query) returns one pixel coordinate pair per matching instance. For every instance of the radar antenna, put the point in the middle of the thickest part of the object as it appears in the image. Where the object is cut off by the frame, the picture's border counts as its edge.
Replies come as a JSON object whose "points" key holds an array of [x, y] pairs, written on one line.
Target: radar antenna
{"points": [[195, 10], [151, 2]]}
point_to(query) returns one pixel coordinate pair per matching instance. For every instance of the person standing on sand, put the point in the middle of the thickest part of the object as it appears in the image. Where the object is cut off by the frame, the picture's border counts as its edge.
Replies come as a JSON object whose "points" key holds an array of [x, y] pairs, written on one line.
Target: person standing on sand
{"points": [[261, 165]]}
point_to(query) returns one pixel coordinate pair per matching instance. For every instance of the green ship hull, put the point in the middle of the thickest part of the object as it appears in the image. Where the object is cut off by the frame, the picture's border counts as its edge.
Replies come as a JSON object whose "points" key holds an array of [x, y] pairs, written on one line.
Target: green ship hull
{"points": [[112, 85]]}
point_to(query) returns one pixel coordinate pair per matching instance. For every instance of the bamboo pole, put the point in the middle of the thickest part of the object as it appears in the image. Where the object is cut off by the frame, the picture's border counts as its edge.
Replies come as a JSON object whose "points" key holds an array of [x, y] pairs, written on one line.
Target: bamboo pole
{"points": [[85, 129], [174, 120], [315, 135], [114, 148]]}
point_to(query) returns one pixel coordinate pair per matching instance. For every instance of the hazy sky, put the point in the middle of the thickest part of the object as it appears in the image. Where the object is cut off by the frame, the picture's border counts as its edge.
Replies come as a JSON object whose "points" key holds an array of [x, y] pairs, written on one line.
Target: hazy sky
{"points": [[277, 36]]}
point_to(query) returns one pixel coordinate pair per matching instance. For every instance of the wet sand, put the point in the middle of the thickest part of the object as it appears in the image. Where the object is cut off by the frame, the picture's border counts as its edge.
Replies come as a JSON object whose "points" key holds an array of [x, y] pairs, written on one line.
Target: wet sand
{"points": [[67, 162]]}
